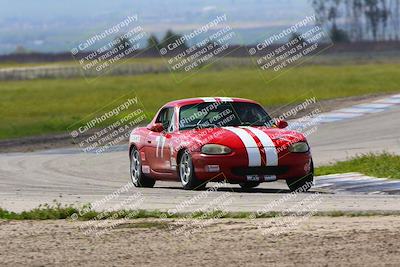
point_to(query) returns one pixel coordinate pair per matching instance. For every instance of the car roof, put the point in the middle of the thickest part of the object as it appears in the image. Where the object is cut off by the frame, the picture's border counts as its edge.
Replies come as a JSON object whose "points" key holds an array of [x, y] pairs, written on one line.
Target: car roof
{"points": [[198, 100]]}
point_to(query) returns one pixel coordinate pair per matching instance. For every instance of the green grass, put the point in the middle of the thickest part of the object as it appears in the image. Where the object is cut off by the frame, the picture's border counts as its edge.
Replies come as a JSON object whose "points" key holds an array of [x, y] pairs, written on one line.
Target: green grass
{"points": [[65, 213], [50, 106], [382, 165], [57, 211], [44, 212], [72, 62]]}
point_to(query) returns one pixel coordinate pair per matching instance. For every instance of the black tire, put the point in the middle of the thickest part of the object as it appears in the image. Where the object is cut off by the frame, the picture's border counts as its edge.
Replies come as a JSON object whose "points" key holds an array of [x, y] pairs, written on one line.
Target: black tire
{"points": [[138, 178], [303, 184], [249, 185], [186, 173]]}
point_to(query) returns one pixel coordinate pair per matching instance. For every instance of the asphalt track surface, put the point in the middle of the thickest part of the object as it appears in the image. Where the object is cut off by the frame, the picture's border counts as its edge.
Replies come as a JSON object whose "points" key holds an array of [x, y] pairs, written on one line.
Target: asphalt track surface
{"points": [[71, 177]]}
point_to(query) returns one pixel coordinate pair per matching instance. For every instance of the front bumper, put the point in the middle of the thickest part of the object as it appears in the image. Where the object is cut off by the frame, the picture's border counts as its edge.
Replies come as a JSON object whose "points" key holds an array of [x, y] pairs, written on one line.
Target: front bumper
{"points": [[234, 167]]}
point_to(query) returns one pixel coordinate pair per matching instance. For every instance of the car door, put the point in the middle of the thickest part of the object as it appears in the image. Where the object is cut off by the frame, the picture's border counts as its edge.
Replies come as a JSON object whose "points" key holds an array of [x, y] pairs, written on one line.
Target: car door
{"points": [[157, 146]]}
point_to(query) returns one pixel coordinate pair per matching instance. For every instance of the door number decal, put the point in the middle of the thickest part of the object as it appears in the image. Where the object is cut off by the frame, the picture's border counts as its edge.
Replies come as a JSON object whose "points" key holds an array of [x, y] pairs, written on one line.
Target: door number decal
{"points": [[160, 145]]}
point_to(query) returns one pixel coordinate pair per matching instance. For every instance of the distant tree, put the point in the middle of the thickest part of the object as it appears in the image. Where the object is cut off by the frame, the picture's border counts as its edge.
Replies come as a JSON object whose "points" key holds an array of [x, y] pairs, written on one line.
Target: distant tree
{"points": [[21, 50], [357, 29], [171, 37], [373, 14], [122, 43], [152, 41], [297, 36], [395, 18], [359, 19], [339, 35], [334, 13], [320, 11]]}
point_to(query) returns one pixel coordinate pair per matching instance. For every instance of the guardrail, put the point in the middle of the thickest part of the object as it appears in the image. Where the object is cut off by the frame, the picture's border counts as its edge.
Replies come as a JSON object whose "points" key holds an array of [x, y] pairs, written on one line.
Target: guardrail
{"points": [[66, 72]]}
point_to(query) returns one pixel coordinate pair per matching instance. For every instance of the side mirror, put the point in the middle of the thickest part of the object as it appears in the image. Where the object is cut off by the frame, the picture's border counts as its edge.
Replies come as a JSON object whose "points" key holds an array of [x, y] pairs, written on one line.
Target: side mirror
{"points": [[282, 124], [157, 127]]}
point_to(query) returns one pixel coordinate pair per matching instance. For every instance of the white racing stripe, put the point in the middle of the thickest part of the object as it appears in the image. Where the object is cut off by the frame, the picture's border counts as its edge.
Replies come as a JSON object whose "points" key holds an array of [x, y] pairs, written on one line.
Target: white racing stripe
{"points": [[226, 99], [158, 145], [208, 99], [268, 144], [163, 138], [250, 144], [214, 99]]}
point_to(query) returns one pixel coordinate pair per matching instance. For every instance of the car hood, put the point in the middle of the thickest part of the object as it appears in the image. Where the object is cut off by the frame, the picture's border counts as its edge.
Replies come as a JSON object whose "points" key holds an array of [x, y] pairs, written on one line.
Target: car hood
{"points": [[238, 137]]}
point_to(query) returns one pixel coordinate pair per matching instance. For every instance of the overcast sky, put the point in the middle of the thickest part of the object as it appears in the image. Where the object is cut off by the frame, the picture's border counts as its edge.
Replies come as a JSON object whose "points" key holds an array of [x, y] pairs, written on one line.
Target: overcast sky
{"points": [[50, 25]]}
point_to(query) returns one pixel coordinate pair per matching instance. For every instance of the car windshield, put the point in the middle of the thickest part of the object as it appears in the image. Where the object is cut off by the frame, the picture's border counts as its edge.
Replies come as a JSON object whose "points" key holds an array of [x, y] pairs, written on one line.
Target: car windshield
{"points": [[222, 114]]}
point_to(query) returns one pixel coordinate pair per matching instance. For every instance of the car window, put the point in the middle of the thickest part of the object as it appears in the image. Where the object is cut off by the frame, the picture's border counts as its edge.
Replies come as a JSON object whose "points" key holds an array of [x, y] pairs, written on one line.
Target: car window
{"points": [[165, 117], [222, 114]]}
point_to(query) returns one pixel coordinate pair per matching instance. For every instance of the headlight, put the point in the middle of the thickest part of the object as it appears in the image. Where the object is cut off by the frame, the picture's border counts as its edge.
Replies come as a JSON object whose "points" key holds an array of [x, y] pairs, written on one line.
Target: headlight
{"points": [[213, 149], [299, 147]]}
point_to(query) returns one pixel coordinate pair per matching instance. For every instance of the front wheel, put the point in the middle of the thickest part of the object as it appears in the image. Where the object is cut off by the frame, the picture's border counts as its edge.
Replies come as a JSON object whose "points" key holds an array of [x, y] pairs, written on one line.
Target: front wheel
{"points": [[249, 184], [186, 172], [303, 184], [137, 176]]}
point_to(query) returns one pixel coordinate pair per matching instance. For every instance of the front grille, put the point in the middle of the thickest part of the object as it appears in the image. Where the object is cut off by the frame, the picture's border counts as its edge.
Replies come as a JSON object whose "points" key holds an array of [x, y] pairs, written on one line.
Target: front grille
{"points": [[266, 170]]}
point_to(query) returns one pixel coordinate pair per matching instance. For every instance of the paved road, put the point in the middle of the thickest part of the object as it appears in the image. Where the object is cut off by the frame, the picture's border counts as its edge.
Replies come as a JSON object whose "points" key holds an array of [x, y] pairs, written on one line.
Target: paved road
{"points": [[30, 179], [375, 132]]}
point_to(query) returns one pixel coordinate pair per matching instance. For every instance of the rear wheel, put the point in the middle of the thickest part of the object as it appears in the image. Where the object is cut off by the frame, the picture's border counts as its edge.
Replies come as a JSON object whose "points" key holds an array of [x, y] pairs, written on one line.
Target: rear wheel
{"points": [[186, 172], [137, 176], [303, 184], [249, 185]]}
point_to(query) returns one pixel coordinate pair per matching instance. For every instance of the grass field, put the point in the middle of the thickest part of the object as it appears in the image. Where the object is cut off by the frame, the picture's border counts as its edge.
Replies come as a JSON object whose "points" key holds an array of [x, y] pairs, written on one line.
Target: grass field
{"points": [[56, 212], [50, 106], [377, 165]]}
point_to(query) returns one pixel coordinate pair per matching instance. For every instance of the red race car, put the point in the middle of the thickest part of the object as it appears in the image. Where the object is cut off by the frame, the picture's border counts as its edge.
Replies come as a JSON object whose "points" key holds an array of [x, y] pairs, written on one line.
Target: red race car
{"points": [[216, 139]]}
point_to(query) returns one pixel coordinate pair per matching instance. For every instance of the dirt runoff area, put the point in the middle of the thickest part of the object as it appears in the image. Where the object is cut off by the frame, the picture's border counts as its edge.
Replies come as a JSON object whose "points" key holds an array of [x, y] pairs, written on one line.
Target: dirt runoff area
{"points": [[318, 241]]}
